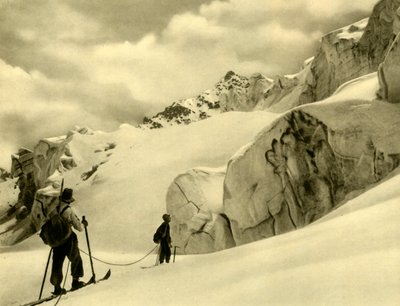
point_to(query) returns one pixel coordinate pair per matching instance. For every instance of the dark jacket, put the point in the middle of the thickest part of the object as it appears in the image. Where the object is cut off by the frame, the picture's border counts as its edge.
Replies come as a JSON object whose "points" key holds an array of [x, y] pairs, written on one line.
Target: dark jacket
{"points": [[163, 232]]}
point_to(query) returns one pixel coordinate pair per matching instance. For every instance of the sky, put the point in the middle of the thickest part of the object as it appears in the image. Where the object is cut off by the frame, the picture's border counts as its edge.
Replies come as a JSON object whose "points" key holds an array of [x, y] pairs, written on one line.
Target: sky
{"points": [[102, 63]]}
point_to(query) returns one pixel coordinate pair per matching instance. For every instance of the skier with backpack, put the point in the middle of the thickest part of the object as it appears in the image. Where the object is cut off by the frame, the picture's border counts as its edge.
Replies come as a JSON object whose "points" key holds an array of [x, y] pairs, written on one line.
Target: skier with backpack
{"points": [[162, 236], [57, 233]]}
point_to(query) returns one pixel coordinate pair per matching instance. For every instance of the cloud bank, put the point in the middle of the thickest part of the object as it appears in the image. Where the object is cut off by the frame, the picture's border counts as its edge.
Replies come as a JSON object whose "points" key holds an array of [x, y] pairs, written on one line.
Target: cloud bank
{"points": [[99, 63]]}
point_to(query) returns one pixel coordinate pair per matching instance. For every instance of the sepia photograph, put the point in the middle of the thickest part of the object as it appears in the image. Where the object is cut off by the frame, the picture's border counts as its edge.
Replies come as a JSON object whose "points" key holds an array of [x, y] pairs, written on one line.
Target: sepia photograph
{"points": [[200, 152]]}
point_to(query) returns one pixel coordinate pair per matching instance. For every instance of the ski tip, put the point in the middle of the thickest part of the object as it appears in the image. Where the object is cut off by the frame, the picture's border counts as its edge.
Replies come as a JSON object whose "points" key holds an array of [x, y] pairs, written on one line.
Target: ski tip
{"points": [[108, 274]]}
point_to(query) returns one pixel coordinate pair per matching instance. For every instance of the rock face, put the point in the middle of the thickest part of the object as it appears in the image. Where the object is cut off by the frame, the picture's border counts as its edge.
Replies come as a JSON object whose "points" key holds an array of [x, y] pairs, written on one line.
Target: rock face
{"points": [[258, 85], [389, 74], [356, 50], [241, 93], [383, 25], [339, 60], [305, 164], [47, 157], [22, 167], [39, 187], [32, 168], [289, 91], [194, 201]]}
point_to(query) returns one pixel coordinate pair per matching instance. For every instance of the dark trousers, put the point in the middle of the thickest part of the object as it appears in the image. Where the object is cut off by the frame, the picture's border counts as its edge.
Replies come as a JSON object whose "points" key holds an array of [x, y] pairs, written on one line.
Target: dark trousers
{"points": [[68, 249], [165, 252]]}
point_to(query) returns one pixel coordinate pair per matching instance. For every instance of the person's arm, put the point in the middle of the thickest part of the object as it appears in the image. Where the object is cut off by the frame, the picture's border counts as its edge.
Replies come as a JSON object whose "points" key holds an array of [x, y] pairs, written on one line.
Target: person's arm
{"points": [[74, 220]]}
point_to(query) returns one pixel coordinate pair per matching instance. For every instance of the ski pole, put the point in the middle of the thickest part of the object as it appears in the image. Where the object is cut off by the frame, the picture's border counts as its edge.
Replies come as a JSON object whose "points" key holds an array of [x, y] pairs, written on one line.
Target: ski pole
{"points": [[45, 274], [174, 253], [90, 253]]}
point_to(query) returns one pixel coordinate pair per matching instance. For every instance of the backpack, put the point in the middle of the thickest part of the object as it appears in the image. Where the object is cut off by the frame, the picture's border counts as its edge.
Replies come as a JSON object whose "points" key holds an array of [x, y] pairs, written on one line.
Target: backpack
{"points": [[56, 230], [157, 237]]}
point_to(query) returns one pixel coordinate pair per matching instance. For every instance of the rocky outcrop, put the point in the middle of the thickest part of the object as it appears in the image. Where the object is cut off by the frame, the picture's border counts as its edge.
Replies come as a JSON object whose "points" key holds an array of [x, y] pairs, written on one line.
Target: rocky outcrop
{"points": [[356, 50], [233, 96], [339, 60], [383, 26], [232, 93], [4, 175], [39, 183], [194, 201], [241, 93], [289, 91], [305, 164], [258, 85], [389, 74], [47, 156], [22, 167]]}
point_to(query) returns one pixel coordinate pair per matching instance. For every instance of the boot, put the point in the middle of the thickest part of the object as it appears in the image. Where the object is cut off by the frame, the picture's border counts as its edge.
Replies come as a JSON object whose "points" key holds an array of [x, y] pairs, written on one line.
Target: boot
{"points": [[58, 290], [76, 284]]}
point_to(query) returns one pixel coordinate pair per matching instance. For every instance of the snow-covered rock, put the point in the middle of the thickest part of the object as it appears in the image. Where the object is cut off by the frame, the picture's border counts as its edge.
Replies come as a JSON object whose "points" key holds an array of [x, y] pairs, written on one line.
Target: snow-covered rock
{"points": [[339, 60], [355, 50], [47, 157], [258, 86], [241, 93], [39, 187], [383, 26], [22, 167], [289, 91], [389, 74], [194, 201], [306, 163]]}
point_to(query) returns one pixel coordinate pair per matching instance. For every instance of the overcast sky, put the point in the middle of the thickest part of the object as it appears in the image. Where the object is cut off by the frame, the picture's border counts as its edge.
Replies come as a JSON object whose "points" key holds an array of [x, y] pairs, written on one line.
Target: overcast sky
{"points": [[100, 63]]}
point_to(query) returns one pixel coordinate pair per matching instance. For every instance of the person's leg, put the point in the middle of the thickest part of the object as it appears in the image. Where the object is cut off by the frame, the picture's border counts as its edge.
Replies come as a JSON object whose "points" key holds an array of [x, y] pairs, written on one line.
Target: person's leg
{"points": [[167, 253], [162, 251], [76, 262], [56, 277]]}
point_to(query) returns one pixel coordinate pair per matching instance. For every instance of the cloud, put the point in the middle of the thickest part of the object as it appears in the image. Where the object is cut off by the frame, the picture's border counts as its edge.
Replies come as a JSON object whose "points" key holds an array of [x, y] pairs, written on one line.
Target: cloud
{"points": [[131, 20]]}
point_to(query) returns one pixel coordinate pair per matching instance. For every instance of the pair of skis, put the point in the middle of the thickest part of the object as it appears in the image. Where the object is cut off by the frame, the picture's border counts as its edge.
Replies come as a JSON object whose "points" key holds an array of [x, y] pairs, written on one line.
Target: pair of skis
{"points": [[53, 296]]}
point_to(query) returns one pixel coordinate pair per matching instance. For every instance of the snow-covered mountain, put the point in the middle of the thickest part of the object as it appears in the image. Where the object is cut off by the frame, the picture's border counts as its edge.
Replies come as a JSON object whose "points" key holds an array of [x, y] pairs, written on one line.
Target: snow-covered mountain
{"points": [[338, 60], [319, 180], [232, 93]]}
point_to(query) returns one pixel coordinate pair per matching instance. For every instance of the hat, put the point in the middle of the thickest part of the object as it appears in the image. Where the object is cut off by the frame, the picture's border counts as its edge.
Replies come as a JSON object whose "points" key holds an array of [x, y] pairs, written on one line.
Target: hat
{"points": [[165, 216], [67, 195]]}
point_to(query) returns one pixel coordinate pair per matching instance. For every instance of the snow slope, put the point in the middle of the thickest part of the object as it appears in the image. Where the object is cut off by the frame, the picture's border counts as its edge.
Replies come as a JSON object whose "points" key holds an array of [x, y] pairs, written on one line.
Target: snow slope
{"points": [[131, 184], [349, 257]]}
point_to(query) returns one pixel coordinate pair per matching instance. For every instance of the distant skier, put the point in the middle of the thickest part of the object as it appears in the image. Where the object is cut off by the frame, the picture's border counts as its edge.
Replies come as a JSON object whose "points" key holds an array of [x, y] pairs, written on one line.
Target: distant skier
{"points": [[163, 237], [66, 246]]}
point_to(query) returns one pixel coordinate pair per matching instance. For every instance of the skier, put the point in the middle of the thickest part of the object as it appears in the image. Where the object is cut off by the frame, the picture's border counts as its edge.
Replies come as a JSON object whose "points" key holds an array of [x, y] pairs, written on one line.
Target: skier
{"points": [[164, 239], [68, 248]]}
